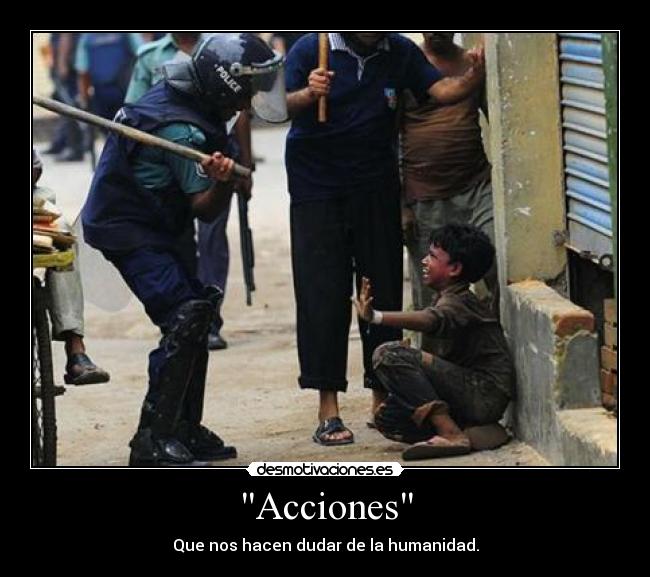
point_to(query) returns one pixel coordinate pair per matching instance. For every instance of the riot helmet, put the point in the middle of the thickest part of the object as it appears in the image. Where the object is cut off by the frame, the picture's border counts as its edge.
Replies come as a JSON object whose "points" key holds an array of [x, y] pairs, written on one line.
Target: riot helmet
{"points": [[229, 70]]}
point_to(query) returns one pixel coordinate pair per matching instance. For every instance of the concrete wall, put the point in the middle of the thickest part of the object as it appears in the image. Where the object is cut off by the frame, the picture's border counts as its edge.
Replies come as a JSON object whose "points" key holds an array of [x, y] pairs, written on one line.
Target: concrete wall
{"points": [[558, 408], [555, 349], [526, 152]]}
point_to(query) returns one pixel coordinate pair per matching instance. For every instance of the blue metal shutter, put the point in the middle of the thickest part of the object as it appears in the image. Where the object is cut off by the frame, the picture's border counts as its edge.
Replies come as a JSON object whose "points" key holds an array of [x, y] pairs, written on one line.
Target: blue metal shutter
{"points": [[586, 168]]}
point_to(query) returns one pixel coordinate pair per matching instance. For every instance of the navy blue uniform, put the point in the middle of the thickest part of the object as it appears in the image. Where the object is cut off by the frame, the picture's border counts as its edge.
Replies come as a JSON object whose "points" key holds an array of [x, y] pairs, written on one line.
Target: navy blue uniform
{"points": [[137, 228], [108, 58]]}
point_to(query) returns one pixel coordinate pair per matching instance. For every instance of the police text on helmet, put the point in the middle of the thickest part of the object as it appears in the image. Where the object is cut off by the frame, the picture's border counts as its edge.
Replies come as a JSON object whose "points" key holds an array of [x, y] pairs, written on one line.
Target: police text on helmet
{"points": [[229, 80]]}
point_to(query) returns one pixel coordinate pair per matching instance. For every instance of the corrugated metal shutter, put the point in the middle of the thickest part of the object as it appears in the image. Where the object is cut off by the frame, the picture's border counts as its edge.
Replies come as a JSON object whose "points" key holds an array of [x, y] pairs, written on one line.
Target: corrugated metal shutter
{"points": [[585, 144]]}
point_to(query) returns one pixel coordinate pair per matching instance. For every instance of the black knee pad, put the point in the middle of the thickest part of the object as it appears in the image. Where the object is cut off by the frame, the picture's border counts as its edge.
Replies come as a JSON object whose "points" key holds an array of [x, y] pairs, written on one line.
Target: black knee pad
{"points": [[184, 343], [190, 324]]}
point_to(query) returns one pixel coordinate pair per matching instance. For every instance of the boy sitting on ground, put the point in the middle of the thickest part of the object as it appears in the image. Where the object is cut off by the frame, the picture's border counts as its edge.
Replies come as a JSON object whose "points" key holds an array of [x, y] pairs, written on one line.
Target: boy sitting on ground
{"points": [[468, 380]]}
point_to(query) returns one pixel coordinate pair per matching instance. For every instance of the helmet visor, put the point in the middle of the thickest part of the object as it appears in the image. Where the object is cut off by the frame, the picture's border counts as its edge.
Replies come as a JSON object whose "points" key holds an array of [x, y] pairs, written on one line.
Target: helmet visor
{"points": [[269, 96], [269, 100]]}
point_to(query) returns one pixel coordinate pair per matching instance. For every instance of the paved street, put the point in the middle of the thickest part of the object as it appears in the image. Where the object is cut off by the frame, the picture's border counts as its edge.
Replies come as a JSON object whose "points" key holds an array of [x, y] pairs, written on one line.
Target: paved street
{"points": [[252, 396]]}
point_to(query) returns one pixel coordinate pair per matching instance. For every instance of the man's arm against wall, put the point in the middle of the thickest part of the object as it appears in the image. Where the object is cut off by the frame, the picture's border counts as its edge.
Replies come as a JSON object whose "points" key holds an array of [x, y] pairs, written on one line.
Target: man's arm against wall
{"points": [[456, 88]]}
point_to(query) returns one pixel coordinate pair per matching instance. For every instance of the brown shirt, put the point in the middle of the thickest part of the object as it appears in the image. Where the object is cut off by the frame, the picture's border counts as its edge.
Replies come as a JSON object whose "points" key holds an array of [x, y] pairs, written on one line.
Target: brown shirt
{"points": [[466, 333], [442, 148]]}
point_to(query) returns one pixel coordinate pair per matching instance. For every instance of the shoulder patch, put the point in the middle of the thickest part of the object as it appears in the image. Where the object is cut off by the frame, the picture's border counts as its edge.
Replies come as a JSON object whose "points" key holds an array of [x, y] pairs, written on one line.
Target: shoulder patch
{"points": [[199, 170]]}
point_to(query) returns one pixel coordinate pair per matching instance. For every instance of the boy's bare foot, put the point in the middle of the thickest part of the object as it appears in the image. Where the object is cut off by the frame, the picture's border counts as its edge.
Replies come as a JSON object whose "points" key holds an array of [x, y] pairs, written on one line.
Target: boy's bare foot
{"points": [[437, 447]]}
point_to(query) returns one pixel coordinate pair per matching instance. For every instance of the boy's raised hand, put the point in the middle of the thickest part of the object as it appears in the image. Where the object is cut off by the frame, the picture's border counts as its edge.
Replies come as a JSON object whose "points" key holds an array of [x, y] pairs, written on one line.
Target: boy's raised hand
{"points": [[363, 304]]}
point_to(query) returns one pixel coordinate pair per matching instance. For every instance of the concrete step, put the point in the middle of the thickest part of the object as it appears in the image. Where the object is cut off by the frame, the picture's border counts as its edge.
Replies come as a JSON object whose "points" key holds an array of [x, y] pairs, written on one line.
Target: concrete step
{"points": [[588, 437]]}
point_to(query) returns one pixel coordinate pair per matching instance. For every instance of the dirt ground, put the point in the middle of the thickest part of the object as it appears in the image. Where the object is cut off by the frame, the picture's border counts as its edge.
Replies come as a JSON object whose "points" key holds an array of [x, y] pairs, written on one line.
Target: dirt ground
{"points": [[252, 397]]}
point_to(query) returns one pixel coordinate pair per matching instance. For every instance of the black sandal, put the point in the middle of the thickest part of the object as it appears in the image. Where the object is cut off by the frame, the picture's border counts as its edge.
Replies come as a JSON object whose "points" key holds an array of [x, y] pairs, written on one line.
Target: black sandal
{"points": [[328, 427]]}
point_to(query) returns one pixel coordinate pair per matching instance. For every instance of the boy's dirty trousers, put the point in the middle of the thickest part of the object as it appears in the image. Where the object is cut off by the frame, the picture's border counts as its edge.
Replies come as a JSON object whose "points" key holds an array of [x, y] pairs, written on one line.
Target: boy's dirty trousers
{"points": [[420, 390], [335, 242]]}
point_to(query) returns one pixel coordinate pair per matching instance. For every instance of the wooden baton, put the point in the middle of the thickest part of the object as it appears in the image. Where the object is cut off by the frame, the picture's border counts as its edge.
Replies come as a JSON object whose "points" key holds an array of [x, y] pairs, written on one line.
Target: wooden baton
{"points": [[132, 133], [323, 53]]}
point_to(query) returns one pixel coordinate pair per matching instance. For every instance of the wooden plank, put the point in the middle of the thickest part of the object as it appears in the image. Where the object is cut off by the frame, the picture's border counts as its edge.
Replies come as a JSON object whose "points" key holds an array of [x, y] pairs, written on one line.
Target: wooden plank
{"points": [[63, 238], [41, 241]]}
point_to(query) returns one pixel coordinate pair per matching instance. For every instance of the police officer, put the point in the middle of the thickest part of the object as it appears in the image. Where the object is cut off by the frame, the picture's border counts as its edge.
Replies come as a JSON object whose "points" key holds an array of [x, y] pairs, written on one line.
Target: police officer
{"points": [[213, 259], [148, 69], [104, 61], [135, 213]]}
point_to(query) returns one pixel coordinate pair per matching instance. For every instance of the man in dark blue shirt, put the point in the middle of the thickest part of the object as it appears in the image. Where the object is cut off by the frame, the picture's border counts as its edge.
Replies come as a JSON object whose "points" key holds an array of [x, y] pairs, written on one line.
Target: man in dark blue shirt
{"points": [[345, 202]]}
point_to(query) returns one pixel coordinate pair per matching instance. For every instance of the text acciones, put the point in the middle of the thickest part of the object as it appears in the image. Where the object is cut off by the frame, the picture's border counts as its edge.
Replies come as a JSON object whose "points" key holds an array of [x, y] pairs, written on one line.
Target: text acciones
{"points": [[324, 510]]}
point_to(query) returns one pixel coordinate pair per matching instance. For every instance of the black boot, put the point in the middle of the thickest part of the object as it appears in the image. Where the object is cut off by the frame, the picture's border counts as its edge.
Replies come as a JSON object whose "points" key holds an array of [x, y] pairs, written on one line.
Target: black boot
{"points": [[204, 444], [215, 341], [147, 451]]}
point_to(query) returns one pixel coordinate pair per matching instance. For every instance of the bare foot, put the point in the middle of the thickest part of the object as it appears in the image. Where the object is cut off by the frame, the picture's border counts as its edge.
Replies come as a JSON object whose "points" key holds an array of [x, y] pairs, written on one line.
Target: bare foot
{"points": [[437, 447], [461, 439], [340, 436]]}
